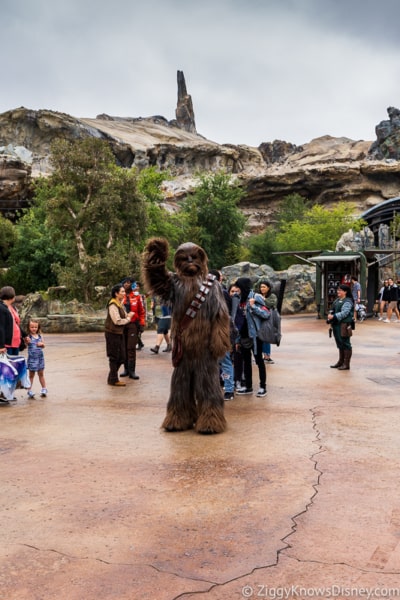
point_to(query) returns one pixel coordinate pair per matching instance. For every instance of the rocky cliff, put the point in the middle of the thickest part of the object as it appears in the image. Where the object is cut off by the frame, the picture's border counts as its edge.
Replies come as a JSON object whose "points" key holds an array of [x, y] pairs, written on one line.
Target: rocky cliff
{"points": [[326, 169]]}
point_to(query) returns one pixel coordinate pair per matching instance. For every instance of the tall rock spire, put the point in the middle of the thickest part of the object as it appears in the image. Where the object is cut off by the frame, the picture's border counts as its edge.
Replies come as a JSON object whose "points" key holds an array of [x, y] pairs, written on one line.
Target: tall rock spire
{"points": [[184, 110]]}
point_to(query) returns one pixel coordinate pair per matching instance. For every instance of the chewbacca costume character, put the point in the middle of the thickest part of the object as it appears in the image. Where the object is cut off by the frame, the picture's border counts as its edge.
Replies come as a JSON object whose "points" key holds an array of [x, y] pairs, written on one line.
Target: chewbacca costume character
{"points": [[196, 398]]}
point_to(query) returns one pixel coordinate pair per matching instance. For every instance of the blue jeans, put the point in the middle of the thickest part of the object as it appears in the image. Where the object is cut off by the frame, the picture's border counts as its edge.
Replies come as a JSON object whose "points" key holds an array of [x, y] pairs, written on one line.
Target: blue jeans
{"points": [[226, 366], [266, 348]]}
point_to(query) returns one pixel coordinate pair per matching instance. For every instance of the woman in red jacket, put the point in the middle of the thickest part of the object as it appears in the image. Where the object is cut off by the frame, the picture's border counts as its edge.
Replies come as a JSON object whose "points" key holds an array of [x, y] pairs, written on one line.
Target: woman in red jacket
{"points": [[133, 303]]}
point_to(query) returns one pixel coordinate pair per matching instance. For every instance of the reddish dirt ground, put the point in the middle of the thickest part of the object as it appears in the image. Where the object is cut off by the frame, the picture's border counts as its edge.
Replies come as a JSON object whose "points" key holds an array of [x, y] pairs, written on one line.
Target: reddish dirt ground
{"points": [[298, 498]]}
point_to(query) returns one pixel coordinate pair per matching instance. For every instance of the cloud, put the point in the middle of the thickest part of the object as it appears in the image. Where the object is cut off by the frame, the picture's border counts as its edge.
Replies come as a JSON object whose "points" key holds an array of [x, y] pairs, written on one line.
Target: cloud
{"points": [[257, 70]]}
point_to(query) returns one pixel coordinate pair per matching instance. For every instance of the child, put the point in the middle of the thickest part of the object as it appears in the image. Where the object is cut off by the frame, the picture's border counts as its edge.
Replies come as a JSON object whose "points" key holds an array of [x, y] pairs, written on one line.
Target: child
{"points": [[163, 327], [36, 356]]}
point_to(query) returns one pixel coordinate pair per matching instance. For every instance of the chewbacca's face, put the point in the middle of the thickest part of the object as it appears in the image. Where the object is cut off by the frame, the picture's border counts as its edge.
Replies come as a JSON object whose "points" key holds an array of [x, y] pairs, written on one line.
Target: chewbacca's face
{"points": [[190, 260]]}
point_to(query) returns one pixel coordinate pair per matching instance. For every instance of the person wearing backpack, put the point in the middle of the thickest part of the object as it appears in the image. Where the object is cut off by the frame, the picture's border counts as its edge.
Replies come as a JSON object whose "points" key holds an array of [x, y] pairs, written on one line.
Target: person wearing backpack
{"points": [[263, 287], [253, 310]]}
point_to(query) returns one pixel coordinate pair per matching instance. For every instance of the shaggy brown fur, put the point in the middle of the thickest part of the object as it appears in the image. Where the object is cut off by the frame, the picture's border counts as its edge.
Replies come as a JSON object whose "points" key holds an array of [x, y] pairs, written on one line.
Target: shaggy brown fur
{"points": [[196, 398]]}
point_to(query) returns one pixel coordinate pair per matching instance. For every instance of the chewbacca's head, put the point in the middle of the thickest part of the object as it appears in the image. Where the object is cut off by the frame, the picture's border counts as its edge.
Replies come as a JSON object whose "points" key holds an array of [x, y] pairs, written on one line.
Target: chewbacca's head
{"points": [[191, 261]]}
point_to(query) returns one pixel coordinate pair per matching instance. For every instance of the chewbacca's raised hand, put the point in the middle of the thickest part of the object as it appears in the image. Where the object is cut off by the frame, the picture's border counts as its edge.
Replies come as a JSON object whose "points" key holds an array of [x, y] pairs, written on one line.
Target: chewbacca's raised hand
{"points": [[156, 251], [155, 274]]}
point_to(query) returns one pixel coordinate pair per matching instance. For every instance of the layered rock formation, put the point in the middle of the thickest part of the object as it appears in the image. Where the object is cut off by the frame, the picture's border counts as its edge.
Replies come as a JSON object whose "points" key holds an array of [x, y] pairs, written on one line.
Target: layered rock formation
{"points": [[326, 169], [15, 179]]}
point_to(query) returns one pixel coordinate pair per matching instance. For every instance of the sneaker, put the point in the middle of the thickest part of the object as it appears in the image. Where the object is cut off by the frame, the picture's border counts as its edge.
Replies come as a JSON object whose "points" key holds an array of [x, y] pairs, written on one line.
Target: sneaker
{"points": [[261, 392], [43, 392], [31, 394], [380, 319], [386, 321], [269, 361], [228, 396], [245, 390]]}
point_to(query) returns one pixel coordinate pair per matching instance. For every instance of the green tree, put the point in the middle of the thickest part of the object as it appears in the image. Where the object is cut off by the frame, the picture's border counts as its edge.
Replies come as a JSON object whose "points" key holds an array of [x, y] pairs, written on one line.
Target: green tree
{"points": [[36, 251], [160, 221], [395, 227], [216, 222], [149, 184], [97, 209], [8, 236], [319, 229], [261, 248], [292, 208], [173, 225]]}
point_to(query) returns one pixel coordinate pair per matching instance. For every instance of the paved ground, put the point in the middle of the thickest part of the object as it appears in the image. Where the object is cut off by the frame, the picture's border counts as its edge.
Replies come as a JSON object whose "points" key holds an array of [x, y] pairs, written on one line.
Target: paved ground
{"points": [[299, 498]]}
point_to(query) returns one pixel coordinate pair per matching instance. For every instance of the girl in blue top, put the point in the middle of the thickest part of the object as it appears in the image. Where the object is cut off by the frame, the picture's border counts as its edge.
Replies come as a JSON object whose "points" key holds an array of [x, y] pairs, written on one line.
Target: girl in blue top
{"points": [[36, 356]]}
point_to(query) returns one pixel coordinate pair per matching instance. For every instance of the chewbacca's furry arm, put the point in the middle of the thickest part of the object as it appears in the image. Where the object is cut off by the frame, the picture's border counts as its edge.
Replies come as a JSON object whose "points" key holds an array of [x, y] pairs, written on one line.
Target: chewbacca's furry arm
{"points": [[156, 277], [220, 342]]}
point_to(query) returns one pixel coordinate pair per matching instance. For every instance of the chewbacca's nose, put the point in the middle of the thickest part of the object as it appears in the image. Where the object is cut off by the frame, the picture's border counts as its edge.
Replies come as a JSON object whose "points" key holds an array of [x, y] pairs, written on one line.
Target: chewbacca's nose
{"points": [[190, 259]]}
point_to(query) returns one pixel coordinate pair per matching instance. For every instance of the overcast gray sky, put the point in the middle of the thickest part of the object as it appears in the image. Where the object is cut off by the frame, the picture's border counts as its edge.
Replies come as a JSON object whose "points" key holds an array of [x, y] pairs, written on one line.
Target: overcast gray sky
{"points": [[257, 70]]}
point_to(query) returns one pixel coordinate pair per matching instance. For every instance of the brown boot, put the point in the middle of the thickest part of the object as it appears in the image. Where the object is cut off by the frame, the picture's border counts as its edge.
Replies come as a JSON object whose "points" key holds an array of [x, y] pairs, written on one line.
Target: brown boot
{"points": [[155, 349], [340, 360], [168, 348], [346, 364]]}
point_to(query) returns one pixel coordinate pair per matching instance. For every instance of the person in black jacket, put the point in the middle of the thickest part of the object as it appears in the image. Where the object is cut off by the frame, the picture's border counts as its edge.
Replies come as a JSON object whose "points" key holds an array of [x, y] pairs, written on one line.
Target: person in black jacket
{"points": [[226, 363], [7, 295], [393, 296]]}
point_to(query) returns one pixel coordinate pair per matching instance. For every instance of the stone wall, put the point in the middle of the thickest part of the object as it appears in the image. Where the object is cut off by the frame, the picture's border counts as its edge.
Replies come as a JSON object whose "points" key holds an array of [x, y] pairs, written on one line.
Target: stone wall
{"points": [[300, 290], [56, 316], [300, 281]]}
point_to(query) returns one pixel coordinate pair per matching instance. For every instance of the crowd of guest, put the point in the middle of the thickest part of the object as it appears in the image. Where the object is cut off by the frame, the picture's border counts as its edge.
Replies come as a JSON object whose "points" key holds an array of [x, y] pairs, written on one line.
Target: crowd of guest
{"points": [[126, 319]]}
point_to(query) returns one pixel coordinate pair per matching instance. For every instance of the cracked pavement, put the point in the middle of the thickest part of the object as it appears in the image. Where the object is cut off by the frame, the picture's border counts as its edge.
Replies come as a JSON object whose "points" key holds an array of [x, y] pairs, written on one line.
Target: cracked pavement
{"points": [[297, 499]]}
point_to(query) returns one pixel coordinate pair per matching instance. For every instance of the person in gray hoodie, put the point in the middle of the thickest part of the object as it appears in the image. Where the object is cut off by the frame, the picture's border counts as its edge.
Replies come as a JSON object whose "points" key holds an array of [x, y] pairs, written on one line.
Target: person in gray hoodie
{"points": [[248, 315]]}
